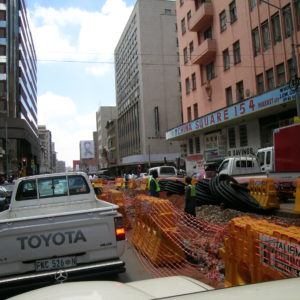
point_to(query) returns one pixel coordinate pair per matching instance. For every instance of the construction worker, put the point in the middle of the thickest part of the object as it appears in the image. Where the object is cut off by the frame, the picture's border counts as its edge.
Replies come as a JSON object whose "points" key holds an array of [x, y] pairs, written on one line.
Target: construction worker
{"points": [[153, 185], [189, 196]]}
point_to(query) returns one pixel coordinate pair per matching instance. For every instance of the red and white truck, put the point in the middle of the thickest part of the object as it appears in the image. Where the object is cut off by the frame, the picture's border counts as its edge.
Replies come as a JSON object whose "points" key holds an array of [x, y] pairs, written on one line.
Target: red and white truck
{"points": [[282, 160]]}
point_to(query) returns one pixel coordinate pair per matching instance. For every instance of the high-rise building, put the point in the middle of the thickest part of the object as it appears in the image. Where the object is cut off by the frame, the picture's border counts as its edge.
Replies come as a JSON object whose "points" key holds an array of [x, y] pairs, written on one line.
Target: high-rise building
{"points": [[46, 150], [147, 85], [236, 60], [18, 101], [103, 115]]}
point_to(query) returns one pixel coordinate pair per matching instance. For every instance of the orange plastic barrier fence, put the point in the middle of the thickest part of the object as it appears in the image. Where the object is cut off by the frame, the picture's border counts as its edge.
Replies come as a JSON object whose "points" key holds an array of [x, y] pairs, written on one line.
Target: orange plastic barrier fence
{"points": [[120, 182], [144, 184], [181, 244], [264, 191], [297, 197], [258, 251]]}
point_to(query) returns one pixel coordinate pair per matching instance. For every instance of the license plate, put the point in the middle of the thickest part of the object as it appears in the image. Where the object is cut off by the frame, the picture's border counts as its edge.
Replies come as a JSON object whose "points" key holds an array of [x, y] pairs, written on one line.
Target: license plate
{"points": [[55, 263]]}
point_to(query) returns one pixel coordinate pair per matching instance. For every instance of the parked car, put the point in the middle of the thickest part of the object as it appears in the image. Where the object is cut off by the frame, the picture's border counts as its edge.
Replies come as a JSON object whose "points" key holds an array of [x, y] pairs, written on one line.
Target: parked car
{"points": [[173, 287]]}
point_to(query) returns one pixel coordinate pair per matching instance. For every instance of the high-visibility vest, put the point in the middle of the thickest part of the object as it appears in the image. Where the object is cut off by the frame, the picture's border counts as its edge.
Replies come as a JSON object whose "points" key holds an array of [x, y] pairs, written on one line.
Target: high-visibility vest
{"points": [[193, 190], [157, 189]]}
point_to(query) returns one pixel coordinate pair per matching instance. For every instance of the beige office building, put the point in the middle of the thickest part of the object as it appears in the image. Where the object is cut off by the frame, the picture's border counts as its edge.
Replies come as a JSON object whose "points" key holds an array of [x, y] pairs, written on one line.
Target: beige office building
{"points": [[147, 85]]}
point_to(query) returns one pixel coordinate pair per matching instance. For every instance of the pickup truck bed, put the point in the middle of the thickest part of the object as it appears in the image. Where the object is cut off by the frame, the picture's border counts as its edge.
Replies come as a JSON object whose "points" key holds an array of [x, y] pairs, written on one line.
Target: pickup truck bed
{"points": [[74, 234]]}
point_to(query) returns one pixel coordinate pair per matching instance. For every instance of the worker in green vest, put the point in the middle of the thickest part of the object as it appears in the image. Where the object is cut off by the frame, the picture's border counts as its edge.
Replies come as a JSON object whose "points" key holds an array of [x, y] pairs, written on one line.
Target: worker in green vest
{"points": [[153, 185], [190, 197]]}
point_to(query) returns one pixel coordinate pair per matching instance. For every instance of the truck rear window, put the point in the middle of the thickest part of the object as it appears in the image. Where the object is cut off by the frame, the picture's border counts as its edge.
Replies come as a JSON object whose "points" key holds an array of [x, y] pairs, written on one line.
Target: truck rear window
{"points": [[244, 164], [167, 170], [52, 187]]}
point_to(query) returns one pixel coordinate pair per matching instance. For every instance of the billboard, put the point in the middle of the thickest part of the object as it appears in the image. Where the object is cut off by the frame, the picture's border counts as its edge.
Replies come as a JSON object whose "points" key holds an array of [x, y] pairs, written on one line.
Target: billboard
{"points": [[87, 149]]}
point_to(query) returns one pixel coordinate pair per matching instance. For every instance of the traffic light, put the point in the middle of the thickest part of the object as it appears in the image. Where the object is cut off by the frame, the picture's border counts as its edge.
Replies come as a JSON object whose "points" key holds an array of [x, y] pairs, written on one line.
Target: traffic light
{"points": [[24, 162]]}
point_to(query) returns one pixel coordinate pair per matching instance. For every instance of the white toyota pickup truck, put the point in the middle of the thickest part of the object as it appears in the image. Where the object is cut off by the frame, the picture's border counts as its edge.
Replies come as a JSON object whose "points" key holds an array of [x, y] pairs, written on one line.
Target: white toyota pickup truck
{"points": [[55, 224]]}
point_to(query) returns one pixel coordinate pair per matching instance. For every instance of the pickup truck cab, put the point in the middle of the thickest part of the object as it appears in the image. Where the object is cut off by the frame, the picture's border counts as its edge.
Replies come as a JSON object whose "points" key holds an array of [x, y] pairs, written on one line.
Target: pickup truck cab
{"points": [[239, 165], [55, 222]]}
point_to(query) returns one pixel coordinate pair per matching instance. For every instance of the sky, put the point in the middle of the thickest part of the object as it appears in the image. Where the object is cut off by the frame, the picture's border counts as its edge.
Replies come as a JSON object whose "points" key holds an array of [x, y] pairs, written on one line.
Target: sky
{"points": [[74, 42]]}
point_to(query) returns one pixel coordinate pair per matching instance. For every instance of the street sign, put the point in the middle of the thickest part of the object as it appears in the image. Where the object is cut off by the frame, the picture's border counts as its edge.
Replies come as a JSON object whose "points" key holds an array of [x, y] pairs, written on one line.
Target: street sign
{"points": [[294, 83]]}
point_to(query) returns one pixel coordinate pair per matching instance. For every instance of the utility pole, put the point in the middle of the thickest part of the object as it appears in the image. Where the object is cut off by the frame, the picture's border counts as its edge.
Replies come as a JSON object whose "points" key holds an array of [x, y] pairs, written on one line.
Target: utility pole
{"points": [[295, 81]]}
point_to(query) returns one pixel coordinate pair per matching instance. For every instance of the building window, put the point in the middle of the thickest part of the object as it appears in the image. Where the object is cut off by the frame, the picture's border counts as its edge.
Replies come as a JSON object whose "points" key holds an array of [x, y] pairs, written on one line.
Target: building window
{"points": [[3, 33], [287, 18], [240, 91], [189, 114], [243, 135], [231, 137], [187, 85], [252, 4], [208, 34], [210, 71], [183, 28], [270, 79], [2, 69], [236, 52], [228, 92], [189, 15], [232, 11], [256, 43], [2, 50], [297, 8], [226, 59], [223, 20], [292, 70], [191, 146], [156, 120], [2, 15], [181, 2], [196, 116], [276, 28], [280, 74], [197, 144], [194, 85], [260, 83], [266, 35], [185, 55], [191, 46]]}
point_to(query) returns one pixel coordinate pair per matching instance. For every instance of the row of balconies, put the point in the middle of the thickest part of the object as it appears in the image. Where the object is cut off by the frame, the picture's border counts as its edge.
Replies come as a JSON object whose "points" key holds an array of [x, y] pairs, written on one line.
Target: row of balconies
{"points": [[208, 48]]}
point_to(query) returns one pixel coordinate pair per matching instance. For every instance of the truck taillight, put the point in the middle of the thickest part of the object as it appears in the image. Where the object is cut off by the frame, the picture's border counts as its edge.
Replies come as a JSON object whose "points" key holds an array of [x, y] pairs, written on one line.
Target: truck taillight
{"points": [[119, 229]]}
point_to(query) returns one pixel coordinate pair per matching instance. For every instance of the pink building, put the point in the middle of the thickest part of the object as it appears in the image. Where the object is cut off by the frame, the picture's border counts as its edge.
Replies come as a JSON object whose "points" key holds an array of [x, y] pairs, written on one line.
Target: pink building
{"points": [[236, 61]]}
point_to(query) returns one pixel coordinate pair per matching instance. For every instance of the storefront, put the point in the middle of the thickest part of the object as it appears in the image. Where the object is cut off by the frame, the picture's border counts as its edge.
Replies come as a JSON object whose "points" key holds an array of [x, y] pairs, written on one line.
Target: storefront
{"points": [[240, 129]]}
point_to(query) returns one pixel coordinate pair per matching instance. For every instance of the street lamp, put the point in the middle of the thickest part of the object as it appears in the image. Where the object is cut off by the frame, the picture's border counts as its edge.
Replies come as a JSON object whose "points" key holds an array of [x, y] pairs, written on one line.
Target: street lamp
{"points": [[5, 114]]}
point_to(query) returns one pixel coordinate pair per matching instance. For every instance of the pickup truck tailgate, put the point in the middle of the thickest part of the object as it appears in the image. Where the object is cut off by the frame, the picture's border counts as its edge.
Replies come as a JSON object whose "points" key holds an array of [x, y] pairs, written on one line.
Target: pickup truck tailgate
{"points": [[85, 236]]}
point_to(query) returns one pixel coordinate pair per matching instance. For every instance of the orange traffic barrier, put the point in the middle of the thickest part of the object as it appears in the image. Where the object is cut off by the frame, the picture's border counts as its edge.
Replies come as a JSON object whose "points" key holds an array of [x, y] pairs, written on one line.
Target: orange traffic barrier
{"points": [[297, 197], [257, 250], [120, 182], [264, 191]]}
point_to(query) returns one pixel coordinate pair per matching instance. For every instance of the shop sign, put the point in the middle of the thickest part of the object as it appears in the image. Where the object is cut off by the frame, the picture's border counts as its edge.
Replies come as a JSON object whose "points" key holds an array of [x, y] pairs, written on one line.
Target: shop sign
{"points": [[247, 107], [280, 255], [195, 157], [214, 155], [241, 151]]}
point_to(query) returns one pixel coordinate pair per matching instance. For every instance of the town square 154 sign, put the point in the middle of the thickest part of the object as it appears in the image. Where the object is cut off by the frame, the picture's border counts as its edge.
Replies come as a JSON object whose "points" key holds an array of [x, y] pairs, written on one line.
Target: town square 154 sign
{"points": [[261, 102]]}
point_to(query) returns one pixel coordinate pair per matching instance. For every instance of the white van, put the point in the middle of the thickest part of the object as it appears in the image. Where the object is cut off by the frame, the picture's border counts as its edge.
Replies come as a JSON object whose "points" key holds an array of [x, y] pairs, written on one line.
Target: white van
{"points": [[164, 171]]}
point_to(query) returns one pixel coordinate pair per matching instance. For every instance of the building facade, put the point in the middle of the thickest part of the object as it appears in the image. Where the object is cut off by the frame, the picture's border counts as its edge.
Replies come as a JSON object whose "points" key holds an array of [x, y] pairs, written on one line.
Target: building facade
{"points": [[112, 143], [103, 115], [236, 60], [18, 101], [147, 84], [46, 150]]}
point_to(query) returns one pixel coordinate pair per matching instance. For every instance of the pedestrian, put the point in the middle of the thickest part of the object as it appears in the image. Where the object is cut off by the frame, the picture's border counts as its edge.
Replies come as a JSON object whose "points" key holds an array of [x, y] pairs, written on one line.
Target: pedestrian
{"points": [[189, 196], [153, 185]]}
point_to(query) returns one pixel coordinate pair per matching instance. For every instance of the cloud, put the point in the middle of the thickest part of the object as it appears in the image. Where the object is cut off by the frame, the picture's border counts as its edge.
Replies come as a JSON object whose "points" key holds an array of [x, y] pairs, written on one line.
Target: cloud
{"points": [[67, 125], [74, 34]]}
